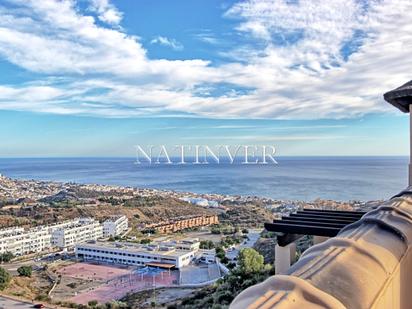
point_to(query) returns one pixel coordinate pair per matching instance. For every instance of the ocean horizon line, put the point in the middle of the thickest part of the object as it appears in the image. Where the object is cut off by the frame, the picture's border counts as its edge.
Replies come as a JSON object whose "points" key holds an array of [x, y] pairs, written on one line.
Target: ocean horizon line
{"points": [[226, 157]]}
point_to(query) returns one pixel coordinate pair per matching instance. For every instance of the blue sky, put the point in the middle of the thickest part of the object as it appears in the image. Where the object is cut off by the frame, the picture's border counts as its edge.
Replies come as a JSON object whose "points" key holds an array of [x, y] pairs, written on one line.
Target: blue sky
{"points": [[96, 77]]}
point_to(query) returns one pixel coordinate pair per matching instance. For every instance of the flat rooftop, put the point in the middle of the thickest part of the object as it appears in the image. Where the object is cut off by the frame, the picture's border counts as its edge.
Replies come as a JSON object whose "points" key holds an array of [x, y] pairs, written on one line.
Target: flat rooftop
{"points": [[153, 249]]}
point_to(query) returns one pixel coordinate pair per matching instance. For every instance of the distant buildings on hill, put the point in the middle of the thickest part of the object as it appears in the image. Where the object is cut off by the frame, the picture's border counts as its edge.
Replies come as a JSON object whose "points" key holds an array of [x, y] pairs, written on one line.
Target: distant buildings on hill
{"points": [[182, 223], [201, 202]]}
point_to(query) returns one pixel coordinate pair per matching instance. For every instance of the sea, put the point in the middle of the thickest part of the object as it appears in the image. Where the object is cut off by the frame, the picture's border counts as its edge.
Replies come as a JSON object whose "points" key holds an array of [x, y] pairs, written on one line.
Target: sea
{"points": [[293, 178]]}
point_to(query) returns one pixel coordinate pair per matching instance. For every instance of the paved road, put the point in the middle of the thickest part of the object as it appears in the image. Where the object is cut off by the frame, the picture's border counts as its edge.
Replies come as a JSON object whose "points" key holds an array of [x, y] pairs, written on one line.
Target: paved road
{"points": [[6, 303], [253, 236]]}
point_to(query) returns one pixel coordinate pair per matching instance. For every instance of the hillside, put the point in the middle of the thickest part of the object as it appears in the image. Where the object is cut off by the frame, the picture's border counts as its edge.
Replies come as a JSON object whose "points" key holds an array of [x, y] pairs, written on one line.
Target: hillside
{"points": [[147, 210], [247, 214]]}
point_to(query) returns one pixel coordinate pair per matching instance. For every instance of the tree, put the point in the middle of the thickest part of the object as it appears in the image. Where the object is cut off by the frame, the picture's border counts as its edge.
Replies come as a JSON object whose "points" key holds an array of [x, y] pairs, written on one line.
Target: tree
{"points": [[220, 253], [206, 244], [4, 278], [115, 305], [224, 260], [7, 257], [250, 261], [92, 303], [25, 271], [145, 241]]}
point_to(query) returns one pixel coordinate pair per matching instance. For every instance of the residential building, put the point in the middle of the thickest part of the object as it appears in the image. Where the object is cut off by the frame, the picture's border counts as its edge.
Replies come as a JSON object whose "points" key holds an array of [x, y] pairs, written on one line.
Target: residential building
{"points": [[79, 231], [20, 241], [11, 230], [115, 226], [183, 223]]}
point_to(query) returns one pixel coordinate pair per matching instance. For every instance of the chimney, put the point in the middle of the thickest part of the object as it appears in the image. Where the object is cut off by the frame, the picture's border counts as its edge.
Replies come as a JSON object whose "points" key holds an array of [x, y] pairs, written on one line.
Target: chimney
{"points": [[401, 98]]}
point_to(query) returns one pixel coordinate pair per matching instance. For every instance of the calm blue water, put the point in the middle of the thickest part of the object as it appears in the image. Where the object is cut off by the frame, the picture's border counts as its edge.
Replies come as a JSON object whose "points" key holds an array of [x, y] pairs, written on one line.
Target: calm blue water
{"points": [[303, 178]]}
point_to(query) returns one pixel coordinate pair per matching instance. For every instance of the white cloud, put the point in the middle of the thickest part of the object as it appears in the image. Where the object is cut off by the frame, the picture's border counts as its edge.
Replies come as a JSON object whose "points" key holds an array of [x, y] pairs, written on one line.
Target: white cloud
{"points": [[300, 72], [207, 36], [260, 138], [167, 42], [107, 12]]}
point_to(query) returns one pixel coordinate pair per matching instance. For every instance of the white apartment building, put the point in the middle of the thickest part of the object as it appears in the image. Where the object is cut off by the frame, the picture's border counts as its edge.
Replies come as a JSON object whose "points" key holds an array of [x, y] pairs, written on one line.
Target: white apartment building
{"points": [[37, 240], [12, 241], [79, 231], [115, 226], [66, 234], [11, 230], [161, 255], [19, 241]]}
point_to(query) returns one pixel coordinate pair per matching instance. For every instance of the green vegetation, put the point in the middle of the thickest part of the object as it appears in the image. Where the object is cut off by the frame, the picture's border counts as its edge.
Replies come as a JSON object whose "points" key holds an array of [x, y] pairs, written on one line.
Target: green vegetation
{"points": [[111, 200], [228, 241], [246, 215], [266, 234], [43, 297], [223, 229], [25, 271], [224, 260], [149, 231], [220, 252], [6, 257], [207, 244], [114, 238], [145, 241], [250, 271], [143, 201], [4, 278], [92, 303], [250, 261]]}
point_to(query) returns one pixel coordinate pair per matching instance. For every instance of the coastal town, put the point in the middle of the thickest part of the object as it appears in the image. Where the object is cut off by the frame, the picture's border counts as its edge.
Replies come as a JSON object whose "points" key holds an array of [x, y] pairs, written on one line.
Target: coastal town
{"points": [[88, 245]]}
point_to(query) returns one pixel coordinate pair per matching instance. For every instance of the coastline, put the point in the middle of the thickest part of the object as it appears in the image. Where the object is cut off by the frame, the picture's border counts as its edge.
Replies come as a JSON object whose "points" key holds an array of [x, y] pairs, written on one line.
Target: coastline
{"points": [[294, 178]]}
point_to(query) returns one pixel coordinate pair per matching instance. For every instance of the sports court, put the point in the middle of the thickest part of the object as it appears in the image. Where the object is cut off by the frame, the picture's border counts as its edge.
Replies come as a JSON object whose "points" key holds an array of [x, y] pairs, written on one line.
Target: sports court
{"points": [[94, 271], [133, 281]]}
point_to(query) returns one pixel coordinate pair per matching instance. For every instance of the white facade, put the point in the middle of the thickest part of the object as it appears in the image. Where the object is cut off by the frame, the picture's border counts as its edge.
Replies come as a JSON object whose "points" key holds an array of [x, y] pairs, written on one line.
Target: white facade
{"points": [[12, 242], [37, 240], [19, 241], [134, 254], [11, 230], [115, 226], [70, 235]]}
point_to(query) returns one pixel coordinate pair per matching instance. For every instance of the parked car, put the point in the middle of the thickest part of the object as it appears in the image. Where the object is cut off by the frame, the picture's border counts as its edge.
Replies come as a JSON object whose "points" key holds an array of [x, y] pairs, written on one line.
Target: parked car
{"points": [[39, 306]]}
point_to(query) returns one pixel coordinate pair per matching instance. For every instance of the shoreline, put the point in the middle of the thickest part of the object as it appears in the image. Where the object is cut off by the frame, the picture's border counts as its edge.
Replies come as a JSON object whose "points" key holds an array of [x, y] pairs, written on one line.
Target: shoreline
{"points": [[157, 191]]}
